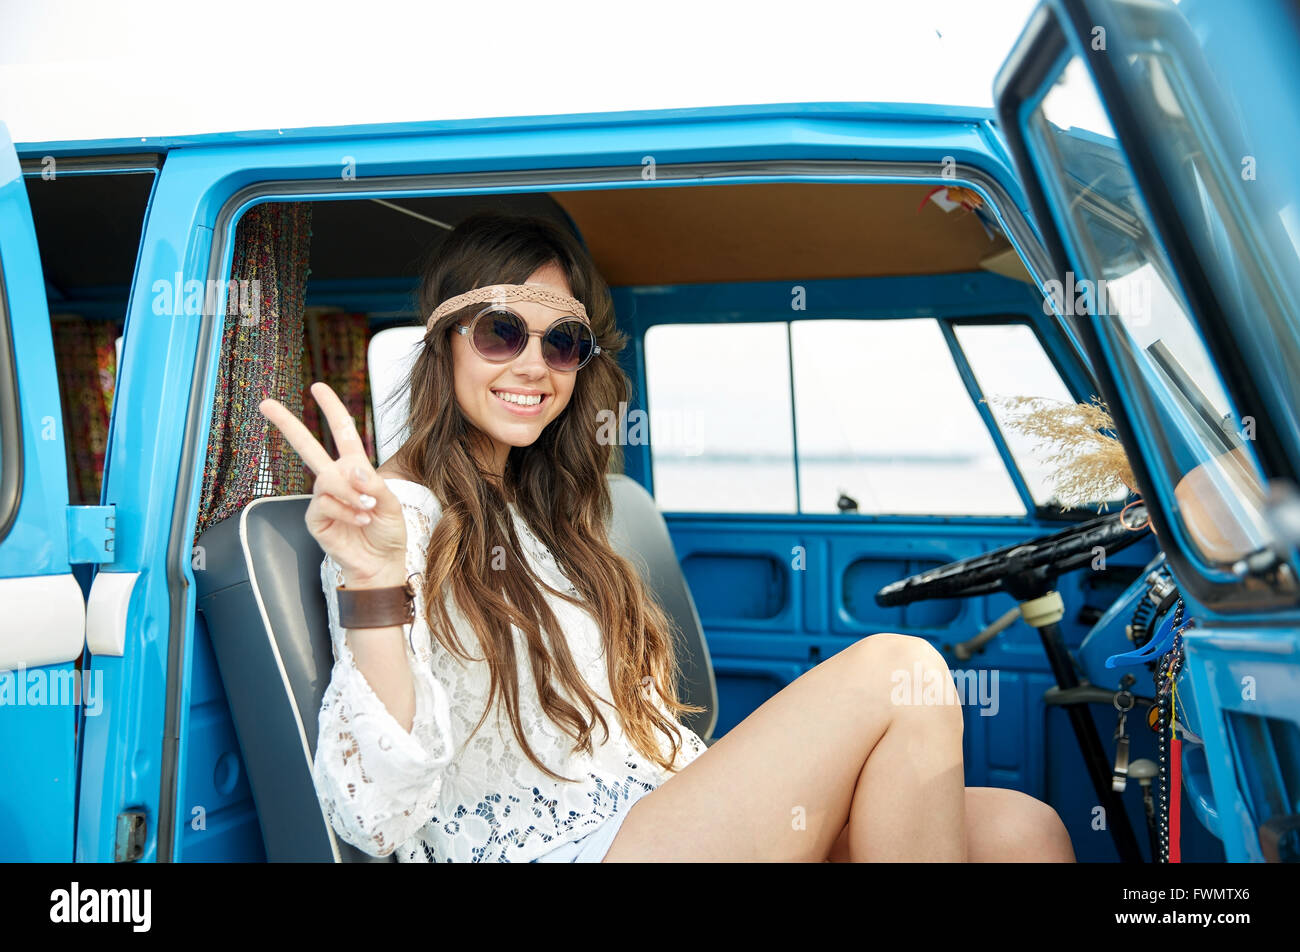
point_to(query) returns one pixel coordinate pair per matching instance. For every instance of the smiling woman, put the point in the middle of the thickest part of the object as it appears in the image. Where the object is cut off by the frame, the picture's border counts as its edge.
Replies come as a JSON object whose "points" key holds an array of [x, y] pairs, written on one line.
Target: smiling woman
{"points": [[502, 509]]}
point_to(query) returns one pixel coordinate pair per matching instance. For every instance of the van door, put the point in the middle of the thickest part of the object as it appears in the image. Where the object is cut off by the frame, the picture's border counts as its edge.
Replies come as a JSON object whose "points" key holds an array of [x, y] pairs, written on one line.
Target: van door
{"points": [[43, 621], [1155, 142]]}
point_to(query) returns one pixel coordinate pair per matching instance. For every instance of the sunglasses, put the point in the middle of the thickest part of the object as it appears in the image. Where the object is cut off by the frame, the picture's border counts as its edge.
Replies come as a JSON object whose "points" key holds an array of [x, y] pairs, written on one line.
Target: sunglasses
{"points": [[499, 334]]}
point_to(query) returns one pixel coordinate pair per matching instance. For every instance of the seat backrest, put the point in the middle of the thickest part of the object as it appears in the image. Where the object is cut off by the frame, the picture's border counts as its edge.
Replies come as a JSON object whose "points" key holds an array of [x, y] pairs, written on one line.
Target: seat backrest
{"points": [[388, 361], [638, 533], [261, 600], [260, 597]]}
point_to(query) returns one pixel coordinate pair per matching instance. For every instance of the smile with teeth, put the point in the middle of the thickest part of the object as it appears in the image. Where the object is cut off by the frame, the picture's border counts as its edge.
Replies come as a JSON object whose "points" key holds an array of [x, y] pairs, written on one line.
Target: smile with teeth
{"points": [[519, 399]]}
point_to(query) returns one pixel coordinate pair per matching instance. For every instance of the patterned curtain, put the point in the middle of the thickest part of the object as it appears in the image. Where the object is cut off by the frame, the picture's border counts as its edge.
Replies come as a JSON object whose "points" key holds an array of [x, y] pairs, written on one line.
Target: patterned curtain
{"points": [[261, 356], [335, 346], [86, 357]]}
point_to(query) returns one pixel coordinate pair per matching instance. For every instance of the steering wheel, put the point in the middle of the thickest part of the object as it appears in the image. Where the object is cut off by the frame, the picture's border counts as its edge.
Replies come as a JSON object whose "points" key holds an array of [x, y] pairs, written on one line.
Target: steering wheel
{"points": [[1024, 570]]}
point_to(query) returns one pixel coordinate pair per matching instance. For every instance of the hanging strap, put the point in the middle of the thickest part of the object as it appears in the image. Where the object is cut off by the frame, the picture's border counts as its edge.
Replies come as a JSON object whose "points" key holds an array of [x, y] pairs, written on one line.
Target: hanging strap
{"points": [[1175, 781], [1175, 797]]}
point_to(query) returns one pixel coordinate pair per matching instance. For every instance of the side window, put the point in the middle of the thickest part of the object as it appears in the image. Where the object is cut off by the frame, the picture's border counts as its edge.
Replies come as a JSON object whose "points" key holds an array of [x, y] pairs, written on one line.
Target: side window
{"points": [[1008, 361], [883, 418], [721, 434], [818, 416]]}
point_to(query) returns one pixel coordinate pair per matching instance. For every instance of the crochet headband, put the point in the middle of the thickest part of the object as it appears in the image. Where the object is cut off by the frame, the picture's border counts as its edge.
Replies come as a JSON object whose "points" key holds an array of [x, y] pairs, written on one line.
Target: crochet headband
{"points": [[505, 293]]}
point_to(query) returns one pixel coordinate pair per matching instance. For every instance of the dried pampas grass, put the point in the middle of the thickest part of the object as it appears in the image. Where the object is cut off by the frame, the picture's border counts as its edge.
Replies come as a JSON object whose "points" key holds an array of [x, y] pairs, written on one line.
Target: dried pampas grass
{"points": [[1075, 440]]}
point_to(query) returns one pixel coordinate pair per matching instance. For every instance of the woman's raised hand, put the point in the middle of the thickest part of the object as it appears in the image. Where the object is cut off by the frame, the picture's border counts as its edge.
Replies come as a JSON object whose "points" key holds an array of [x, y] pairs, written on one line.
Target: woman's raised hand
{"points": [[353, 514]]}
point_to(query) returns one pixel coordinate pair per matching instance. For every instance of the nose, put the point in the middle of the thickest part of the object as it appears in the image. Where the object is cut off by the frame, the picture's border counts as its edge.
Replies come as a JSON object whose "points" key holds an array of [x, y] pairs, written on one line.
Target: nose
{"points": [[530, 363]]}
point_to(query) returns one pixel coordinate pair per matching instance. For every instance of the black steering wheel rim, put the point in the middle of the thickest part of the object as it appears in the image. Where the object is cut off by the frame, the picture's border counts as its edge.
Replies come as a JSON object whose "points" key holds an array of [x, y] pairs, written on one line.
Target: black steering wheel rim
{"points": [[1025, 569]]}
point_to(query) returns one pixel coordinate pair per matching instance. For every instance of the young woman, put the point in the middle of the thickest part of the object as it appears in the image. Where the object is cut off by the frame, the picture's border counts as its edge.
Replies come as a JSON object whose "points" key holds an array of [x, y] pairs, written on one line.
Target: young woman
{"points": [[460, 722]]}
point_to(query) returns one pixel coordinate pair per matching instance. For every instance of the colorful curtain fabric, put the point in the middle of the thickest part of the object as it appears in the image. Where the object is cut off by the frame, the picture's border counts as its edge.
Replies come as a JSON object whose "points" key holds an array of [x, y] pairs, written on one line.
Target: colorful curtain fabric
{"points": [[261, 356], [335, 352], [86, 356]]}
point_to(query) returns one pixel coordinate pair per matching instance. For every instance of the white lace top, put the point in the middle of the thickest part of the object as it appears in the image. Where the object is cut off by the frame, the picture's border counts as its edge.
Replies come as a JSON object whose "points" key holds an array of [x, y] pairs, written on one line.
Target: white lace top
{"points": [[427, 794]]}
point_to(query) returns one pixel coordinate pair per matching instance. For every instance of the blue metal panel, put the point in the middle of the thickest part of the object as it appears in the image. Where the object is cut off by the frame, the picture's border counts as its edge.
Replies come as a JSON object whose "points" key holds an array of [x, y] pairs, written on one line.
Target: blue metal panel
{"points": [[90, 534], [38, 740], [215, 799], [139, 480], [748, 683], [896, 112], [37, 544], [1255, 674]]}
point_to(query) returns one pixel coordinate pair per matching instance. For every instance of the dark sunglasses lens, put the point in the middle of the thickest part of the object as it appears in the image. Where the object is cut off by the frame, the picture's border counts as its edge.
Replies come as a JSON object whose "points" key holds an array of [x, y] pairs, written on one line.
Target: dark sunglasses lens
{"points": [[498, 335], [568, 346]]}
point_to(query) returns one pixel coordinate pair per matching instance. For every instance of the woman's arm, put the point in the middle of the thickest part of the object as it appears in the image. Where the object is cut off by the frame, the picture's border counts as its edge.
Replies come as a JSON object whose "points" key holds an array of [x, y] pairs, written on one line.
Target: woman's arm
{"points": [[379, 654], [385, 731], [379, 756]]}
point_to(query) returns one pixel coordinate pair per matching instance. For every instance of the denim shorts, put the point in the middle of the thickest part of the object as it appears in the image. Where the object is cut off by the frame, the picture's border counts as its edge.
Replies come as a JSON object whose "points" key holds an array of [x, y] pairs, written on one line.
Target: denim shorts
{"points": [[592, 847]]}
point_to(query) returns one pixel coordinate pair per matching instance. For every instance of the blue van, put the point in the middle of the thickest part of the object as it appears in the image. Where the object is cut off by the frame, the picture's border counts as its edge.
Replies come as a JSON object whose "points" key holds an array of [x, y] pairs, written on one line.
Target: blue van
{"points": [[1123, 226]]}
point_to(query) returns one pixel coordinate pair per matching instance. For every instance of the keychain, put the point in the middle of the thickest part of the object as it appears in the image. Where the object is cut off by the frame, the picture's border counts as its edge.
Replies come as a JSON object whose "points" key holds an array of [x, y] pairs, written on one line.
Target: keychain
{"points": [[1120, 779]]}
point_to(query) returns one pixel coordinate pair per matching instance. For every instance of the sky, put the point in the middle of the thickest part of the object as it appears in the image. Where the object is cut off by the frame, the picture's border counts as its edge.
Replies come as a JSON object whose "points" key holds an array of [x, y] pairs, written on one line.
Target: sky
{"points": [[79, 69]]}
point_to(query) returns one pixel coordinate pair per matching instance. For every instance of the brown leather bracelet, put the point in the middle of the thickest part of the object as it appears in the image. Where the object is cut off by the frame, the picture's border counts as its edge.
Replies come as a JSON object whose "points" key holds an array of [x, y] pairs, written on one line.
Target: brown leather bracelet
{"points": [[376, 607]]}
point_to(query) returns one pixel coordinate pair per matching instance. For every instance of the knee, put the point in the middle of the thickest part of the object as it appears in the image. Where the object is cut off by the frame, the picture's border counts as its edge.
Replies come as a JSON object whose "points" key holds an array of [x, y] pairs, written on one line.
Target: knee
{"points": [[1053, 837], [1031, 831], [888, 649], [911, 671]]}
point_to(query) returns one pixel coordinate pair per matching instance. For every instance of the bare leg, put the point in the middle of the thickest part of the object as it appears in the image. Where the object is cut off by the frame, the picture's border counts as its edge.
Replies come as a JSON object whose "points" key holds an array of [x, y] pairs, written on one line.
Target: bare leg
{"points": [[1002, 826], [782, 784]]}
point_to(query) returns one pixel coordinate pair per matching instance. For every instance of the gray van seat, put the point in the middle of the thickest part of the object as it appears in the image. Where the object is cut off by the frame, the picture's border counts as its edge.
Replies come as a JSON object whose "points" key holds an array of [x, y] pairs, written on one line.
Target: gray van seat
{"points": [[261, 600]]}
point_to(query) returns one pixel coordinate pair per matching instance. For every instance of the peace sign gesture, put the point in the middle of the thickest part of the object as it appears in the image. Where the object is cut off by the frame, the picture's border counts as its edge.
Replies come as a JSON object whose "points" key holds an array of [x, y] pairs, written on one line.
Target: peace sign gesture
{"points": [[353, 514]]}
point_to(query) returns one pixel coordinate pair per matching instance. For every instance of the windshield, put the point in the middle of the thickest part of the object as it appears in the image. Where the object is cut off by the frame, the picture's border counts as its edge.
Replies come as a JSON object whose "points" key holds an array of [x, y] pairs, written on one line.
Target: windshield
{"points": [[1201, 442]]}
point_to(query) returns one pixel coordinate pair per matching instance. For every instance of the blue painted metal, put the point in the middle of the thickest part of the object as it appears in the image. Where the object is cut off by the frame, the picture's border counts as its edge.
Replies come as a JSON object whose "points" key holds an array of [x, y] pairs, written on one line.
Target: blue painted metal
{"points": [[90, 534], [220, 817], [1198, 789], [36, 816], [794, 416], [123, 743], [817, 112]]}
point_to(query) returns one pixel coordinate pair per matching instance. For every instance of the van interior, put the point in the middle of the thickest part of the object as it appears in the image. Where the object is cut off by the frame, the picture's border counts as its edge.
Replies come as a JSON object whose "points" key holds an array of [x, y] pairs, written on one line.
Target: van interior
{"points": [[815, 361]]}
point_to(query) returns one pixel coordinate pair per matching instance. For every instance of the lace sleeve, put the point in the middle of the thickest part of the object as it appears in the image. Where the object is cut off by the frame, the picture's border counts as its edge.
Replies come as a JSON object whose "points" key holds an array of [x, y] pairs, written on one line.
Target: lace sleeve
{"points": [[377, 783]]}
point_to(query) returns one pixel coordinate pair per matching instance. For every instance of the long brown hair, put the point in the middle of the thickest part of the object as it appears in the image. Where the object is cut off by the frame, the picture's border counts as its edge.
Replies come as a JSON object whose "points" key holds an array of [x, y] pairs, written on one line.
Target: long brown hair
{"points": [[558, 486]]}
